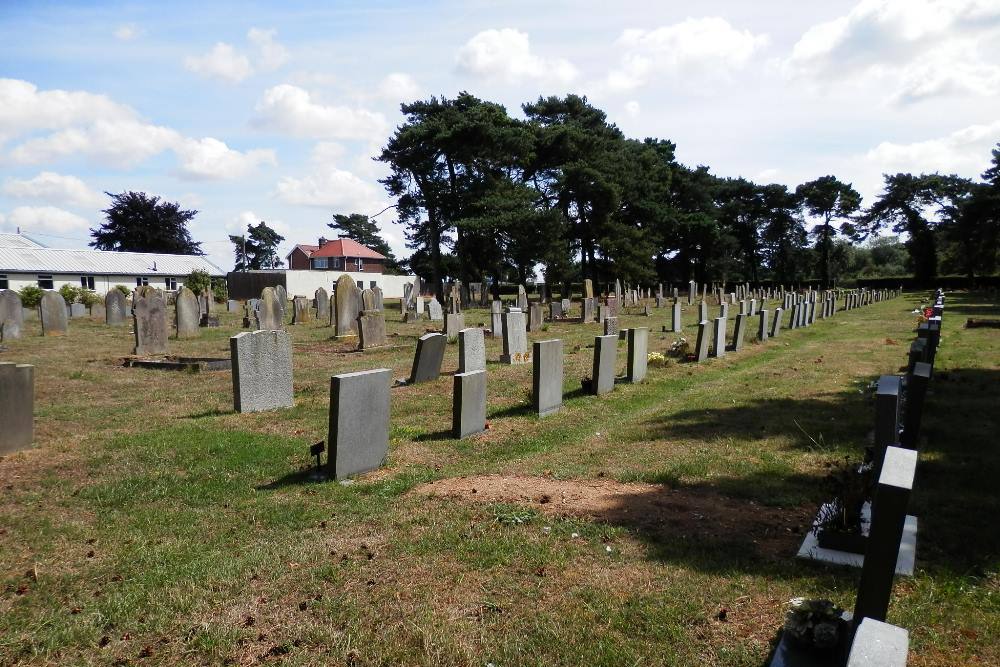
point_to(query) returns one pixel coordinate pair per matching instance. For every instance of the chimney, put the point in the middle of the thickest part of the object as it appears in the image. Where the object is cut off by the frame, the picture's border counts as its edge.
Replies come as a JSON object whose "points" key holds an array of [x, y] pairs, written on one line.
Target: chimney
{"points": [[322, 241]]}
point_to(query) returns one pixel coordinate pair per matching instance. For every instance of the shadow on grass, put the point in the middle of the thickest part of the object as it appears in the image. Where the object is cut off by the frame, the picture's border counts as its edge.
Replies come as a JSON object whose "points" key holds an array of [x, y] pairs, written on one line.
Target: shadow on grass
{"points": [[297, 478], [212, 412]]}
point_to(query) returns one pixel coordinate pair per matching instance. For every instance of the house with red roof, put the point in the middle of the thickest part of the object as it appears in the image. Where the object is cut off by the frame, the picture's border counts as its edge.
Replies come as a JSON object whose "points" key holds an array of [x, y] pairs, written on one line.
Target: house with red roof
{"points": [[340, 254]]}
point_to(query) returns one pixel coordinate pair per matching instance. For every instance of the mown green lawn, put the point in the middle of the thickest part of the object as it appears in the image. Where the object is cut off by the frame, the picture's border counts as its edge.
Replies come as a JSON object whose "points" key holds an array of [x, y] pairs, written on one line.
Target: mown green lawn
{"points": [[152, 525]]}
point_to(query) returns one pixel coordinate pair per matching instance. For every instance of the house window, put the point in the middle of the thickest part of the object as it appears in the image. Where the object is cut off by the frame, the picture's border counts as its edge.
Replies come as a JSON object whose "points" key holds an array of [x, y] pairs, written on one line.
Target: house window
{"points": [[170, 284], [87, 282], [3, 282], [45, 282], [371, 283], [141, 280], [319, 263], [338, 263], [360, 265]]}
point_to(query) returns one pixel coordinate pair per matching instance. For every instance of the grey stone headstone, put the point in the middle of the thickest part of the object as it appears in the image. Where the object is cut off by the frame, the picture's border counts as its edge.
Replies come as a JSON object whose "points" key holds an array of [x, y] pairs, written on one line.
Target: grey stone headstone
{"points": [[564, 305], [17, 407], [347, 305], [739, 331], [719, 339], [916, 392], [115, 309], [359, 422], [587, 310], [588, 288], [776, 324], [888, 405], [368, 300], [611, 326], [379, 299], [282, 295], [515, 339], [724, 310], [469, 404], [892, 495], [603, 313], [535, 317], [522, 298], [301, 310], [453, 323], [762, 325], [701, 347], [187, 315], [675, 317], [878, 644], [97, 311], [471, 350], [427, 358], [11, 315], [77, 310], [547, 377], [232, 306], [149, 314], [638, 344], [702, 311], [268, 313], [435, 310], [371, 330], [262, 370], [555, 310], [322, 298], [496, 320], [605, 357]]}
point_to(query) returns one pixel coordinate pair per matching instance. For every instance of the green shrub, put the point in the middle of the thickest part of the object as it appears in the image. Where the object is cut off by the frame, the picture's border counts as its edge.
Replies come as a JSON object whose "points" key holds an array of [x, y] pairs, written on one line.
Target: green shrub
{"points": [[31, 296], [220, 291], [70, 293], [198, 282], [88, 297], [124, 290]]}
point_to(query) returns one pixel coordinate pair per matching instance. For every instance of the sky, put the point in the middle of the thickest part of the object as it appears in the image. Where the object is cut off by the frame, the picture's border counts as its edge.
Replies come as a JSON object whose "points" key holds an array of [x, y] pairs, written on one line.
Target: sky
{"points": [[250, 111]]}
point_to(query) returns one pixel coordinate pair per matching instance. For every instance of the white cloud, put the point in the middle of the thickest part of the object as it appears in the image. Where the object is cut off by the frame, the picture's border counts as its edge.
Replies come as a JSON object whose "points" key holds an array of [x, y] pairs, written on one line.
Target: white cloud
{"points": [[915, 49], [127, 32], [327, 153], [706, 46], [222, 62], [119, 143], [55, 188], [399, 87], [330, 188], [633, 109], [45, 220], [23, 108], [290, 109], [270, 54], [964, 152], [506, 55], [211, 159]]}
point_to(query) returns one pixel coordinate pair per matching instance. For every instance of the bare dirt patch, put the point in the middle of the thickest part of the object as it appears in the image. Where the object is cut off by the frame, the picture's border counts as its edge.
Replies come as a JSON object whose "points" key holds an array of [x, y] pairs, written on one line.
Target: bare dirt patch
{"points": [[698, 513]]}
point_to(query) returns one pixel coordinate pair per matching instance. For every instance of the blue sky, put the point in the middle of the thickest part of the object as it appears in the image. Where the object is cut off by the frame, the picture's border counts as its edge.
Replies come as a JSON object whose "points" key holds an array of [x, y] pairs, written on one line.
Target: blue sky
{"points": [[272, 111]]}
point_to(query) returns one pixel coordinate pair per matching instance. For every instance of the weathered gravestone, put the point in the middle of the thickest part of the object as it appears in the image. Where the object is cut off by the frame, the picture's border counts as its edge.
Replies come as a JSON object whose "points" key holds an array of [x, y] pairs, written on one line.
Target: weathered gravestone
{"points": [[17, 407], [515, 338], [282, 295], [638, 344], [535, 317], [11, 315], [702, 311], [347, 305], [268, 314], [77, 309], [427, 358], [359, 422], [262, 370], [555, 311], [587, 311], [701, 347], [232, 306], [97, 311], [547, 377], [371, 330], [453, 323], [588, 289], [611, 326], [115, 308], [368, 300], [471, 350], [52, 311], [435, 310], [187, 315], [496, 319], [379, 299], [522, 298], [603, 370], [149, 314], [322, 298], [301, 310], [469, 404]]}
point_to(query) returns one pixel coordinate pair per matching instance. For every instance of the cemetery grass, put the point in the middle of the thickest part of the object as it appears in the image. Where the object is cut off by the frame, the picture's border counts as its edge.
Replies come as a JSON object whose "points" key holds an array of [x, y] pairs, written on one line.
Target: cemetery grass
{"points": [[153, 525]]}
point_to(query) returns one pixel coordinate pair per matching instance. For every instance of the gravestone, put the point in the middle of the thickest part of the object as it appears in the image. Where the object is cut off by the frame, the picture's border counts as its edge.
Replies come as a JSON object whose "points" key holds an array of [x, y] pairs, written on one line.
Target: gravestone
{"points": [[547, 377], [588, 289], [267, 311], [301, 310], [52, 311], [739, 331], [719, 342], [675, 317], [379, 299], [471, 350], [515, 338], [282, 295], [702, 311], [555, 311], [878, 644], [701, 347], [262, 370], [564, 305], [638, 343], [453, 323], [468, 404], [371, 330], [346, 307], [522, 298], [11, 315], [115, 308], [149, 315], [322, 298], [535, 317], [77, 310], [611, 326], [98, 312], [232, 306], [776, 324], [762, 325], [435, 310], [187, 314], [587, 310], [603, 371], [17, 407], [359, 422], [427, 358], [368, 300], [603, 313], [496, 319], [888, 404], [916, 392]]}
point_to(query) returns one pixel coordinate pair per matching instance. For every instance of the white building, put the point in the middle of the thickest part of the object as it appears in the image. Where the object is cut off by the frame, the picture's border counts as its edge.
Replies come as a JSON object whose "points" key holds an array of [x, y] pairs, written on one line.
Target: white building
{"points": [[24, 261]]}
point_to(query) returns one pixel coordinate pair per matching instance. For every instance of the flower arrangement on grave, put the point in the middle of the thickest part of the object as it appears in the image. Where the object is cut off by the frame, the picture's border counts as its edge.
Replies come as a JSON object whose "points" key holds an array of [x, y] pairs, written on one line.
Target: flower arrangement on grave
{"points": [[656, 359], [819, 625], [839, 524], [680, 348]]}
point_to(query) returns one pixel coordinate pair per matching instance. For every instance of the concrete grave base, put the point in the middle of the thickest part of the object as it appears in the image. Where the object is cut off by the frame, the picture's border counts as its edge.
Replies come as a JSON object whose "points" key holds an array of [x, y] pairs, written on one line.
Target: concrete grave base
{"points": [[905, 562]]}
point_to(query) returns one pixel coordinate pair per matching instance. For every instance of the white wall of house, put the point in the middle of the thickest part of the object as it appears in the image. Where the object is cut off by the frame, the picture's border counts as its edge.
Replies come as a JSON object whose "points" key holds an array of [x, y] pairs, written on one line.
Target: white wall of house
{"points": [[102, 284], [305, 283]]}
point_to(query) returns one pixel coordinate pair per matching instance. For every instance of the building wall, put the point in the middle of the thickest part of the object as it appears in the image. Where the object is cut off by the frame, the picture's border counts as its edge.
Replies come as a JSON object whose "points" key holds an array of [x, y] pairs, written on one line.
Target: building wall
{"points": [[298, 259], [102, 284], [305, 283]]}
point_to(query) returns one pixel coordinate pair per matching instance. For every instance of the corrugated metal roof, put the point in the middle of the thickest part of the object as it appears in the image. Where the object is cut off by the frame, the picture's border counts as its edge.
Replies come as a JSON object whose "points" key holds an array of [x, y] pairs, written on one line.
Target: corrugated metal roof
{"points": [[8, 240], [101, 262]]}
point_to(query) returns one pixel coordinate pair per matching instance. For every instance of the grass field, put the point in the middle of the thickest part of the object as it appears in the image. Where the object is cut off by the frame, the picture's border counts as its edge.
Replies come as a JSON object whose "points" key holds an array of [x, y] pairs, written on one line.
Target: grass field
{"points": [[153, 525]]}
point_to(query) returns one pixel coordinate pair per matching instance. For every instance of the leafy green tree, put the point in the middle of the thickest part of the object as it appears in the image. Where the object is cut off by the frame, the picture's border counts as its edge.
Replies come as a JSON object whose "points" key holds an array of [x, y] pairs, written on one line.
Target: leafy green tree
{"points": [[31, 296], [359, 227], [137, 222], [198, 281], [69, 293], [257, 249], [829, 200]]}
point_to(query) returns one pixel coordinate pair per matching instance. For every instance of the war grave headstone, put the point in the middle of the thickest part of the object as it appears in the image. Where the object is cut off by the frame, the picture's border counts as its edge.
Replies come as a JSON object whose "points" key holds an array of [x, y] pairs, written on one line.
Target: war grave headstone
{"points": [[701, 346], [262, 370], [358, 436], [776, 323], [427, 358], [468, 403], [471, 350], [515, 338], [11, 315], [17, 407], [739, 331], [496, 319], [149, 314], [916, 392], [719, 339], [535, 317], [186, 314], [603, 370], [435, 310], [675, 317], [347, 305], [762, 325], [371, 330], [267, 311], [702, 311], [115, 308], [547, 377], [638, 343]]}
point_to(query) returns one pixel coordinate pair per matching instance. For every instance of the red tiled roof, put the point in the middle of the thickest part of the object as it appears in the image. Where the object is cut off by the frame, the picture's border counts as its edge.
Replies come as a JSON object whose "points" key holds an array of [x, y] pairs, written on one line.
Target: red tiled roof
{"points": [[307, 249], [345, 248]]}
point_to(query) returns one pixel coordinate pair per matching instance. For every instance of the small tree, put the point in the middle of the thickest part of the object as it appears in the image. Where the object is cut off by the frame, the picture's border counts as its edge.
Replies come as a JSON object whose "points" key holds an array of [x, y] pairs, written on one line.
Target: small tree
{"points": [[123, 289], [220, 291], [257, 249], [31, 296], [70, 293], [88, 297], [137, 222], [198, 282]]}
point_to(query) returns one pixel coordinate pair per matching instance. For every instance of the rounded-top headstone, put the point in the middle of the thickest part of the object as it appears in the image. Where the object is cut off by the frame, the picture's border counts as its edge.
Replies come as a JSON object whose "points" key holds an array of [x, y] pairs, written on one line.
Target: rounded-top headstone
{"points": [[187, 314], [115, 307], [11, 315], [268, 312], [53, 314], [347, 306]]}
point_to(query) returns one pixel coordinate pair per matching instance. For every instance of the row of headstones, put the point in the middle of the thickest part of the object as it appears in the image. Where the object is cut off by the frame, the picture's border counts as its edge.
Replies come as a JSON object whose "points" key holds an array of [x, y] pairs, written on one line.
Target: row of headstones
{"points": [[899, 404]]}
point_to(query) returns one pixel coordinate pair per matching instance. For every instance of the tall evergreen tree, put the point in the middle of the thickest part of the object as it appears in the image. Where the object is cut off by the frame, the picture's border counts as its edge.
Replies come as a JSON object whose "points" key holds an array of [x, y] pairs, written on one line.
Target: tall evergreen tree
{"points": [[137, 222], [257, 249], [829, 200]]}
